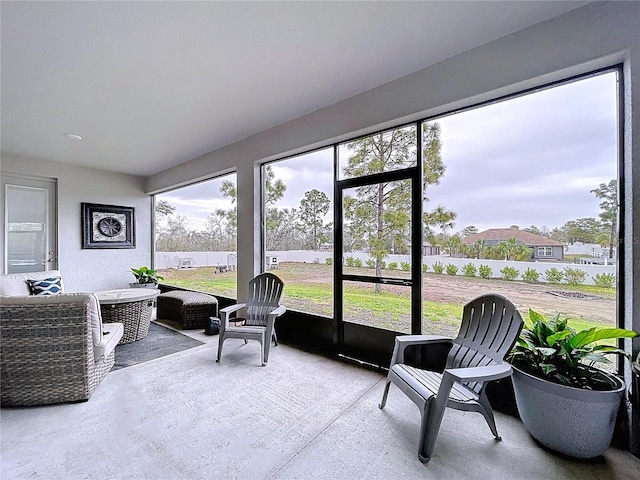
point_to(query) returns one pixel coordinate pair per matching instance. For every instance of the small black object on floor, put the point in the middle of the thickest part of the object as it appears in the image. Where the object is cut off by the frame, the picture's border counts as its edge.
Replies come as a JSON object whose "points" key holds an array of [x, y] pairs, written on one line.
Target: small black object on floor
{"points": [[159, 342], [213, 326]]}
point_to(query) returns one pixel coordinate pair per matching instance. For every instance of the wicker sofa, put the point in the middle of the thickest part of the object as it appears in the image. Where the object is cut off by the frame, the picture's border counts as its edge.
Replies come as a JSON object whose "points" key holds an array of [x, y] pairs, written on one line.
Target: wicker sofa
{"points": [[53, 348]]}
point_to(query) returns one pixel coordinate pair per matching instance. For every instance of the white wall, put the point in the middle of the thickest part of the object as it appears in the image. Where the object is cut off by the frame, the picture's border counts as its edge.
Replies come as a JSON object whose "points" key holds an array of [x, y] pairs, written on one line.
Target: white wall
{"points": [[99, 269], [540, 267], [165, 260], [204, 259]]}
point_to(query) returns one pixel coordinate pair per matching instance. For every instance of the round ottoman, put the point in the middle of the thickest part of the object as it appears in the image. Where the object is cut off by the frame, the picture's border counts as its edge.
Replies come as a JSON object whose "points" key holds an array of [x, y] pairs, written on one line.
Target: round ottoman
{"points": [[191, 309]]}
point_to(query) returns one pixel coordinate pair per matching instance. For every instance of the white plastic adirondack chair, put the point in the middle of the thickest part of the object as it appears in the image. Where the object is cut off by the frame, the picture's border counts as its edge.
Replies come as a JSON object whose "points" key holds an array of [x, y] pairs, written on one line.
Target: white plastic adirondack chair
{"points": [[490, 326], [263, 307]]}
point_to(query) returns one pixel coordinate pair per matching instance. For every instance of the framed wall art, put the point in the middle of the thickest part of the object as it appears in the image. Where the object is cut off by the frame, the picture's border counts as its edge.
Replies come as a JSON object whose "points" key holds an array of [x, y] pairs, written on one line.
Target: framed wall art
{"points": [[107, 226]]}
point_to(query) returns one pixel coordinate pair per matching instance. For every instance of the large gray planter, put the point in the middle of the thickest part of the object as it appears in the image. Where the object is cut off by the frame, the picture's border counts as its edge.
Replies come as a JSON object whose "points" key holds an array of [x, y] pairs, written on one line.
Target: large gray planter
{"points": [[569, 420]]}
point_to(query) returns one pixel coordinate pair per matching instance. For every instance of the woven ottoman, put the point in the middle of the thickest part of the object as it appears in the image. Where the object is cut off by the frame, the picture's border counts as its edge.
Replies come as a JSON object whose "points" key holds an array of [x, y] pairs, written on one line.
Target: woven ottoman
{"points": [[191, 309]]}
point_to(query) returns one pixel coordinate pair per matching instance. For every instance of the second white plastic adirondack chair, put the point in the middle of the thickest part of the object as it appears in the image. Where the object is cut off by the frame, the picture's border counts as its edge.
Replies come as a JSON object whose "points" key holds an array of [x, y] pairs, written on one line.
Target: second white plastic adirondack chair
{"points": [[490, 326], [262, 309]]}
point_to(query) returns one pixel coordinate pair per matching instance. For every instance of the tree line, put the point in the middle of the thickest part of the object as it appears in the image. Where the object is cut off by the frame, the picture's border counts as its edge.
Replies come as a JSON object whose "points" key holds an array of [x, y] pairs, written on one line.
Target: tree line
{"points": [[376, 217], [301, 228]]}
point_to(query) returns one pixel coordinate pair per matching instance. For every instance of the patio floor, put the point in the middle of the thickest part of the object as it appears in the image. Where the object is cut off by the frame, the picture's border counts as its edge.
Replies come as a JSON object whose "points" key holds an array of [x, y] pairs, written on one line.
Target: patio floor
{"points": [[303, 416]]}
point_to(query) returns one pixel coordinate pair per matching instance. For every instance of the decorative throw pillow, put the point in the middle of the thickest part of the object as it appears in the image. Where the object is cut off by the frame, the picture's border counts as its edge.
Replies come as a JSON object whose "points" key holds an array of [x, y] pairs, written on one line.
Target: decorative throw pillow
{"points": [[46, 286]]}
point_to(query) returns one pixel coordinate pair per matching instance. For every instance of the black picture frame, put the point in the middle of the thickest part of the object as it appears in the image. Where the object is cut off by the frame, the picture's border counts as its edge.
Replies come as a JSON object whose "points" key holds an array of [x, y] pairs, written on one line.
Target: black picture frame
{"points": [[107, 226]]}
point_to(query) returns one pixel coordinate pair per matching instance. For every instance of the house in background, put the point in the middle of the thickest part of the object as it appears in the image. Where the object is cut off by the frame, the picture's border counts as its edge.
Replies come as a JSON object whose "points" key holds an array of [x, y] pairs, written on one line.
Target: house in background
{"points": [[429, 249], [542, 248]]}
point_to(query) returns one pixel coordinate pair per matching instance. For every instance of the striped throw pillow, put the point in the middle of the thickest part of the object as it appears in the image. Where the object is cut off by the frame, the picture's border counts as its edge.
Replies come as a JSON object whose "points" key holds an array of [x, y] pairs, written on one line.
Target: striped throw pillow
{"points": [[46, 286]]}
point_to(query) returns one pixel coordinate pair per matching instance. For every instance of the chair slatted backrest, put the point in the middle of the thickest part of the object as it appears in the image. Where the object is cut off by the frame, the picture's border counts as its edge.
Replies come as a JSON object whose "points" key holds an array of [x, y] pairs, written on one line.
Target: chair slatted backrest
{"points": [[490, 326], [265, 291]]}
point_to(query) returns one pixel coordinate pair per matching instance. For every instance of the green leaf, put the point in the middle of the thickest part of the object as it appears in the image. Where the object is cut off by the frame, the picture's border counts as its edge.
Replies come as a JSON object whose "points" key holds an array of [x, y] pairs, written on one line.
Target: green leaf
{"points": [[522, 343], [535, 316], [594, 334], [571, 356], [608, 349], [546, 351], [528, 339], [542, 331], [596, 357], [562, 325], [547, 368], [552, 339], [553, 322]]}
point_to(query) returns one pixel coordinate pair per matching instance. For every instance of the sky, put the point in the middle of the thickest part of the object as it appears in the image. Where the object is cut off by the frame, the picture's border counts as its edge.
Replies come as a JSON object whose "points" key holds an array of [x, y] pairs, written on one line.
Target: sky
{"points": [[530, 160]]}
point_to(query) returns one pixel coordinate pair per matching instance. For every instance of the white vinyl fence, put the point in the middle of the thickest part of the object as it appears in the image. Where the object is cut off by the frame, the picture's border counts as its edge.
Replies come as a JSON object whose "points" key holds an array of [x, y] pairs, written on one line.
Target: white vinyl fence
{"points": [[164, 260], [219, 259]]}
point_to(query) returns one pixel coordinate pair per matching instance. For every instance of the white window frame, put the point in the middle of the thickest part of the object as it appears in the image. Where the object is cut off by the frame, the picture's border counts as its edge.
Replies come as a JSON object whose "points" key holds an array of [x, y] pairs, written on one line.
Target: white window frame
{"points": [[542, 251]]}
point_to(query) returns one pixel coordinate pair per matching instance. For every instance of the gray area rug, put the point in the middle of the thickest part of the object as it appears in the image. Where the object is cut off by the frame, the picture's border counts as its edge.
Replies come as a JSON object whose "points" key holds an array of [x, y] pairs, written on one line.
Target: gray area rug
{"points": [[159, 342]]}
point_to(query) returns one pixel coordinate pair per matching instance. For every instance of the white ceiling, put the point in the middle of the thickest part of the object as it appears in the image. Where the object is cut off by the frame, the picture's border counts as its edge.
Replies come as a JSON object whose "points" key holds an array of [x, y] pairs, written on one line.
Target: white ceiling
{"points": [[149, 85]]}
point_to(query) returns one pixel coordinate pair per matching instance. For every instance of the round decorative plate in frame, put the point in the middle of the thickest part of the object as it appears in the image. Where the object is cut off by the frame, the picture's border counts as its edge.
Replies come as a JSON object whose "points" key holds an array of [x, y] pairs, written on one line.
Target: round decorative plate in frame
{"points": [[109, 226]]}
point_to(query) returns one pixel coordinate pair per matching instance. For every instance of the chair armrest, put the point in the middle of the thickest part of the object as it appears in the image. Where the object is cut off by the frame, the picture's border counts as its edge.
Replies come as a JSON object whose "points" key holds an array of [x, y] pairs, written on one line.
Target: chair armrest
{"points": [[479, 374], [271, 320], [421, 339], [226, 312], [404, 341], [466, 375], [278, 311]]}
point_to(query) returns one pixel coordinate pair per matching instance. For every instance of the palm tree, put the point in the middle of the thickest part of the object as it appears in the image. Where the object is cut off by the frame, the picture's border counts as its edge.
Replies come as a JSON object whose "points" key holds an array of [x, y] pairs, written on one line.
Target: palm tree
{"points": [[512, 249], [454, 245]]}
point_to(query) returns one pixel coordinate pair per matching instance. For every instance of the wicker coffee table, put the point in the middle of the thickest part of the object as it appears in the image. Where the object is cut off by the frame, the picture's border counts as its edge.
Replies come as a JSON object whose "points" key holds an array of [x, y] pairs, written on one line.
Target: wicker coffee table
{"points": [[133, 307]]}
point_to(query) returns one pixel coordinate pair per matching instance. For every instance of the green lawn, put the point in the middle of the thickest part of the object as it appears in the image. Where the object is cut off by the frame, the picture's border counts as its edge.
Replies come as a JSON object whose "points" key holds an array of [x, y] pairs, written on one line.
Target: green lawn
{"points": [[309, 288]]}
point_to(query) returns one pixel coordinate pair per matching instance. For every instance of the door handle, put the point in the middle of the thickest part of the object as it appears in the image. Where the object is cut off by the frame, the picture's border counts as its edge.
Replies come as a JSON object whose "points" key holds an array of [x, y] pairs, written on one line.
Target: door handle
{"points": [[396, 281]]}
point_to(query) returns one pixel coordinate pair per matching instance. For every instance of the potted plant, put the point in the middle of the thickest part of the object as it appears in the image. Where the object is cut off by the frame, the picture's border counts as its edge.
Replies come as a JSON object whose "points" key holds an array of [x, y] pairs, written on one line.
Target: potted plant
{"points": [[565, 402], [145, 278]]}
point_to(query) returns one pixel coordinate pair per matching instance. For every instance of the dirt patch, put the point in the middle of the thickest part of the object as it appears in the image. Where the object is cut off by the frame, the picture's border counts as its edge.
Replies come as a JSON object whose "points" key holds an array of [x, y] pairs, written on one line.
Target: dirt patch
{"points": [[454, 289]]}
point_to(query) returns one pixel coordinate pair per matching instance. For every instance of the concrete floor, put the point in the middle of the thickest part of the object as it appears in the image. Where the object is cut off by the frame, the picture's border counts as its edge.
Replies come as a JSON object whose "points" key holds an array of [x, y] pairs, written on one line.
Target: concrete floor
{"points": [[184, 416]]}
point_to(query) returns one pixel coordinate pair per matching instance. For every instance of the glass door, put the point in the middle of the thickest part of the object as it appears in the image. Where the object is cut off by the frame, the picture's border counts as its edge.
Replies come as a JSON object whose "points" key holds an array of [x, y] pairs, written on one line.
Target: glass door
{"points": [[376, 260], [28, 224], [378, 264]]}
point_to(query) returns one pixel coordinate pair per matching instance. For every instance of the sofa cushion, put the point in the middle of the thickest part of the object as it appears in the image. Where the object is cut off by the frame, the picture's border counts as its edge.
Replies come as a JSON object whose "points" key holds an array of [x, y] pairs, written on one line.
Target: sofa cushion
{"points": [[95, 315], [112, 333], [46, 286], [16, 283]]}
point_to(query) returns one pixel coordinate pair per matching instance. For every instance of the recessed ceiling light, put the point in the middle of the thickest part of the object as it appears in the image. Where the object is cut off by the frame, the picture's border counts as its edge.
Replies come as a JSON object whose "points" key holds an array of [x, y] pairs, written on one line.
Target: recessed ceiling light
{"points": [[73, 136]]}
